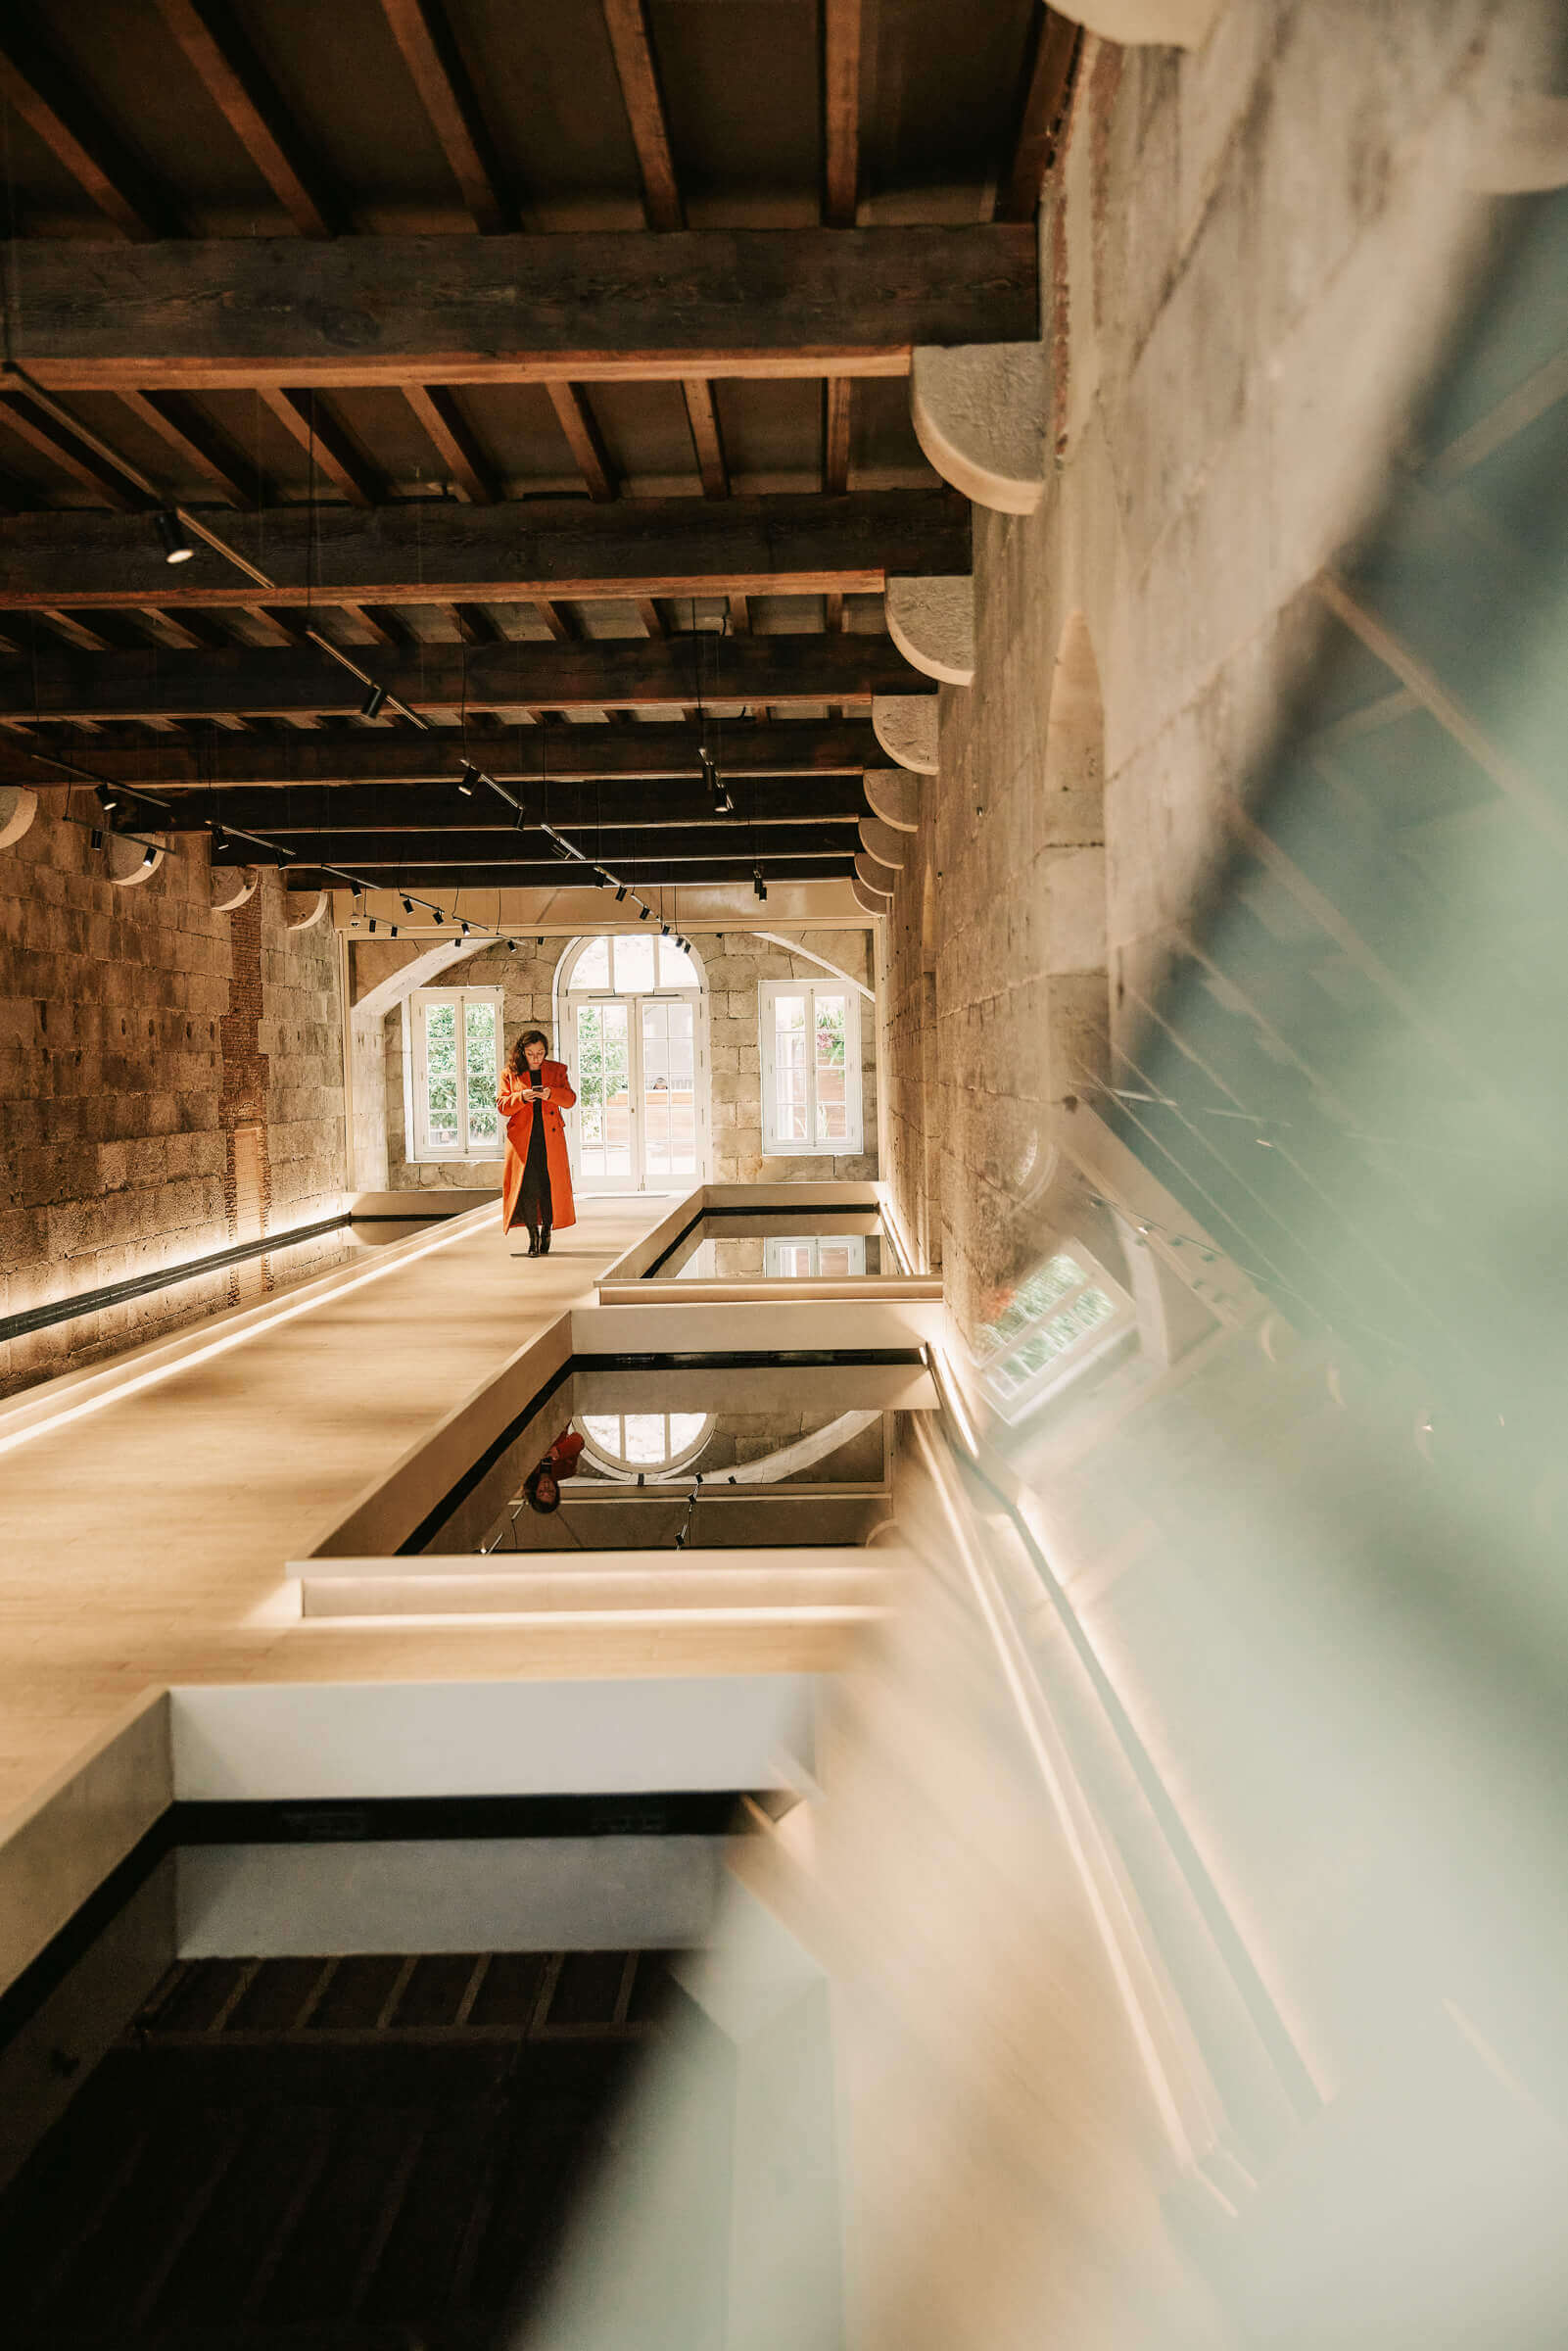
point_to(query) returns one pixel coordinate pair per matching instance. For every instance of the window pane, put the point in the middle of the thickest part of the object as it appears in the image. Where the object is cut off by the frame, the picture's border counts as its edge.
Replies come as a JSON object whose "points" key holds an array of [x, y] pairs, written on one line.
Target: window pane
{"points": [[484, 1122], [684, 1430], [441, 1074], [633, 964], [789, 1012], [593, 967], [833, 1109], [675, 969], [647, 1440]]}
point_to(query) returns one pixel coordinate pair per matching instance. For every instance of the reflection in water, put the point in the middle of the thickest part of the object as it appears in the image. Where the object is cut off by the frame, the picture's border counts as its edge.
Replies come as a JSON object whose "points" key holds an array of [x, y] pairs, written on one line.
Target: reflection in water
{"points": [[801, 1244]]}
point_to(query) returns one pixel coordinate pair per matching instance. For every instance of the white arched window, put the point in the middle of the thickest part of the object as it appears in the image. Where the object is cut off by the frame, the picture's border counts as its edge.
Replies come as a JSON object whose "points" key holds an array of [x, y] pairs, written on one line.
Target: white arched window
{"points": [[633, 1024], [644, 1444]]}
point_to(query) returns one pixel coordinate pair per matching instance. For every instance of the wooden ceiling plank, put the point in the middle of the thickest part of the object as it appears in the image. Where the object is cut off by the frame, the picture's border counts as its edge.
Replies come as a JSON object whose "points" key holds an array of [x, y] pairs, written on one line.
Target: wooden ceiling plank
{"points": [[653, 619], [838, 418], [307, 418], [455, 441], [607, 674], [500, 845], [56, 111], [632, 43], [446, 93], [73, 457], [841, 62], [1045, 98], [201, 446], [703, 419], [584, 438], [657, 806], [803, 749], [194, 314], [212, 42], [449, 553], [642, 872]]}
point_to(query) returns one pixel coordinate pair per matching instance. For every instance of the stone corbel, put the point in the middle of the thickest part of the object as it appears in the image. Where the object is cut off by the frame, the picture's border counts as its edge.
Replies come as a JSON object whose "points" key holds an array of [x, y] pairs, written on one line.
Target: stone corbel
{"points": [[981, 415], [906, 727], [232, 884], [894, 797], [880, 877], [931, 621], [305, 910], [17, 808], [880, 841], [869, 900], [127, 861], [1143, 24]]}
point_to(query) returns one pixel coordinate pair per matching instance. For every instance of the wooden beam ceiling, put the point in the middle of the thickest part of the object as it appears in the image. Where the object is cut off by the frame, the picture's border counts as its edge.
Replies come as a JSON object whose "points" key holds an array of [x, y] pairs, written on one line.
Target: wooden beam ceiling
{"points": [[76, 135], [563, 873], [242, 313], [215, 46], [393, 809], [609, 675], [443, 552], [596, 755], [1045, 98], [734, 836], [447, 95]]}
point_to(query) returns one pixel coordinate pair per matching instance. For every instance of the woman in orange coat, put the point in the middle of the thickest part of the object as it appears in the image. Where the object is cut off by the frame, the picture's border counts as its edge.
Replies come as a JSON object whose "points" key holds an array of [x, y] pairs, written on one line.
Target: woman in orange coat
{"points": [[537, 1180]]}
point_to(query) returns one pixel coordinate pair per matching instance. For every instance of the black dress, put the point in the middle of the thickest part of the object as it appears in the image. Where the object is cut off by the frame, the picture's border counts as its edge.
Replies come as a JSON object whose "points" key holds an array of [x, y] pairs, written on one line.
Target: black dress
{"points": [[534, 1200]]}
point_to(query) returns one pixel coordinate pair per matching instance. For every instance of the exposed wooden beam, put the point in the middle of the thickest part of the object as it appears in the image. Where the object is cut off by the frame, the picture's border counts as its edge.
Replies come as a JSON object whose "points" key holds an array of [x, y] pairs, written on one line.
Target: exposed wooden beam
{"points": [[455, 441], [52, 107], [446, 553], [653, 619], [632, 43], [501, 845], [703, 417], [584, 438], [635, 752], [1034, 144], [556, 621], [838, 415], [1412, 671], [234, 78], [73, 457], [189, 314], [647, 804], [446, 92], [227, 470], [306, 417], [642, 872], [432, 678], [841, 53]]}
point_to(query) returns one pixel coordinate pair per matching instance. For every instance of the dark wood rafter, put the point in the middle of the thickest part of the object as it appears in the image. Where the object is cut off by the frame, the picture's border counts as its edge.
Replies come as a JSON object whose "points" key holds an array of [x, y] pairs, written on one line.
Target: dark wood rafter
{"points": [[446, 92], [446, 552], [498, 844], [180, 424], [703, 417], [74, 458], [215, 47], [455, 442], [637, 752], [582, 437], [607, 675], [308, 420], [654, 805], [264, 311], [843, 29], [53, 108], [1048, 88], [648, 872]]}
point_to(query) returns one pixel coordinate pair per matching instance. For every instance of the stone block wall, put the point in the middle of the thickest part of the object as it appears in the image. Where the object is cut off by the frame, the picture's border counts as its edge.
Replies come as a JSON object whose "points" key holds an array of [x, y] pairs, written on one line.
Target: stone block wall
{"points": [[1252, 253], [138, 1030], [736, 964]]}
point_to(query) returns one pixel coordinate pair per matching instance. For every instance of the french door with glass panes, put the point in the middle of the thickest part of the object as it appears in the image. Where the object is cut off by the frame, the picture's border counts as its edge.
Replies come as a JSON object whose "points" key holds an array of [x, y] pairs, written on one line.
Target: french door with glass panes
{"points": [[637, 1062]]}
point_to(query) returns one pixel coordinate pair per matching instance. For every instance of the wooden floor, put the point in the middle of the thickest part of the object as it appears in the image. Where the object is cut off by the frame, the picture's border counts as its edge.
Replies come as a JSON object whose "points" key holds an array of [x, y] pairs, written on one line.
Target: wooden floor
{"points": [[144, 1544]]}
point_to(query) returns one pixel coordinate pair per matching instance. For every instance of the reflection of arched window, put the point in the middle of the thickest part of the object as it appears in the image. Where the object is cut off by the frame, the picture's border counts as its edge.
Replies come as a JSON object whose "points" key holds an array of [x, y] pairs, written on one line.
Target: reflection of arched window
{"points": [[652, 1444], [632, 1027]]}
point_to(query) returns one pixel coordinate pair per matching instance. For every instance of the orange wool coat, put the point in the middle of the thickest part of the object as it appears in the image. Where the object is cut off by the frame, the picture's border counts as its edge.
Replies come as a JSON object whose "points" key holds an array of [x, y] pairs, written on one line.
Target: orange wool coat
{"points": [[518, 1112]]}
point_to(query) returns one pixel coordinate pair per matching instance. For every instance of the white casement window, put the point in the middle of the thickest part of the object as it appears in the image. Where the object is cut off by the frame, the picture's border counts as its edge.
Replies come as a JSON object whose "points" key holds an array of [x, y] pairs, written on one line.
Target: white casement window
{"points": [[813, 1256], [810, 1069], [1063, 1317], [454, 1073]]}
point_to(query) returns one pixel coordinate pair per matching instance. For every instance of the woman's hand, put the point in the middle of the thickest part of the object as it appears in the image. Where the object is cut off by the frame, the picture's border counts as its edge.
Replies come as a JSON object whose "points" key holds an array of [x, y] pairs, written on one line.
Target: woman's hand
{"points": [[543, 1094]]}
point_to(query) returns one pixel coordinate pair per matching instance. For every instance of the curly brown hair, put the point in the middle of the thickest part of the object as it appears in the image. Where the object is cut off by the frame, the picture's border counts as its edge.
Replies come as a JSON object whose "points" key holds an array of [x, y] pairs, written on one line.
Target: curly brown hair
{"points": [[514, 1059]]}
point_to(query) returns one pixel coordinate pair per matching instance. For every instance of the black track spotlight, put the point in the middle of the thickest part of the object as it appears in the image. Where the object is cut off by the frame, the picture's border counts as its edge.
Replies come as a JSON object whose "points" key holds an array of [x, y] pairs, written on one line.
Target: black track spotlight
{"points": [[465, 930], [620, 892], [97, 836], [372, 924], [149, 853], [465, 779], [407, 905], [220, 840], [642, 913], [664, 929], [759, 885], [393, 928], [173, 537], [539, 942], [511, 947], [107, 800], [437, 917], [371, 708]]}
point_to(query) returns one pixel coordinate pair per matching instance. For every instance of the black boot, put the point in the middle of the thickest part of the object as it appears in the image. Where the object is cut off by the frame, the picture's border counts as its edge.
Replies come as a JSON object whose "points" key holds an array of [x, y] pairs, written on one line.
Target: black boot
{"points": [[544, 1240], [533, 1242]]}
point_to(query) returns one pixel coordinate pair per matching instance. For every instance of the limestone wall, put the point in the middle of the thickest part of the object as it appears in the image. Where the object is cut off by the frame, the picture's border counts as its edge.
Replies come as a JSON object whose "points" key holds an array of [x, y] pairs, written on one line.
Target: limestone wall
{"points": [[736, 964], [1252, 254], [170, 1080]]}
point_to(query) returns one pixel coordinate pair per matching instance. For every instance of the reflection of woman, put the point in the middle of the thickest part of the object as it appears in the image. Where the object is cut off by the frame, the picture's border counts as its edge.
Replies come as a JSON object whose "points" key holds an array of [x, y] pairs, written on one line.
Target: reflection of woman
{"points": [[542, 1484], [537, 1180]]}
